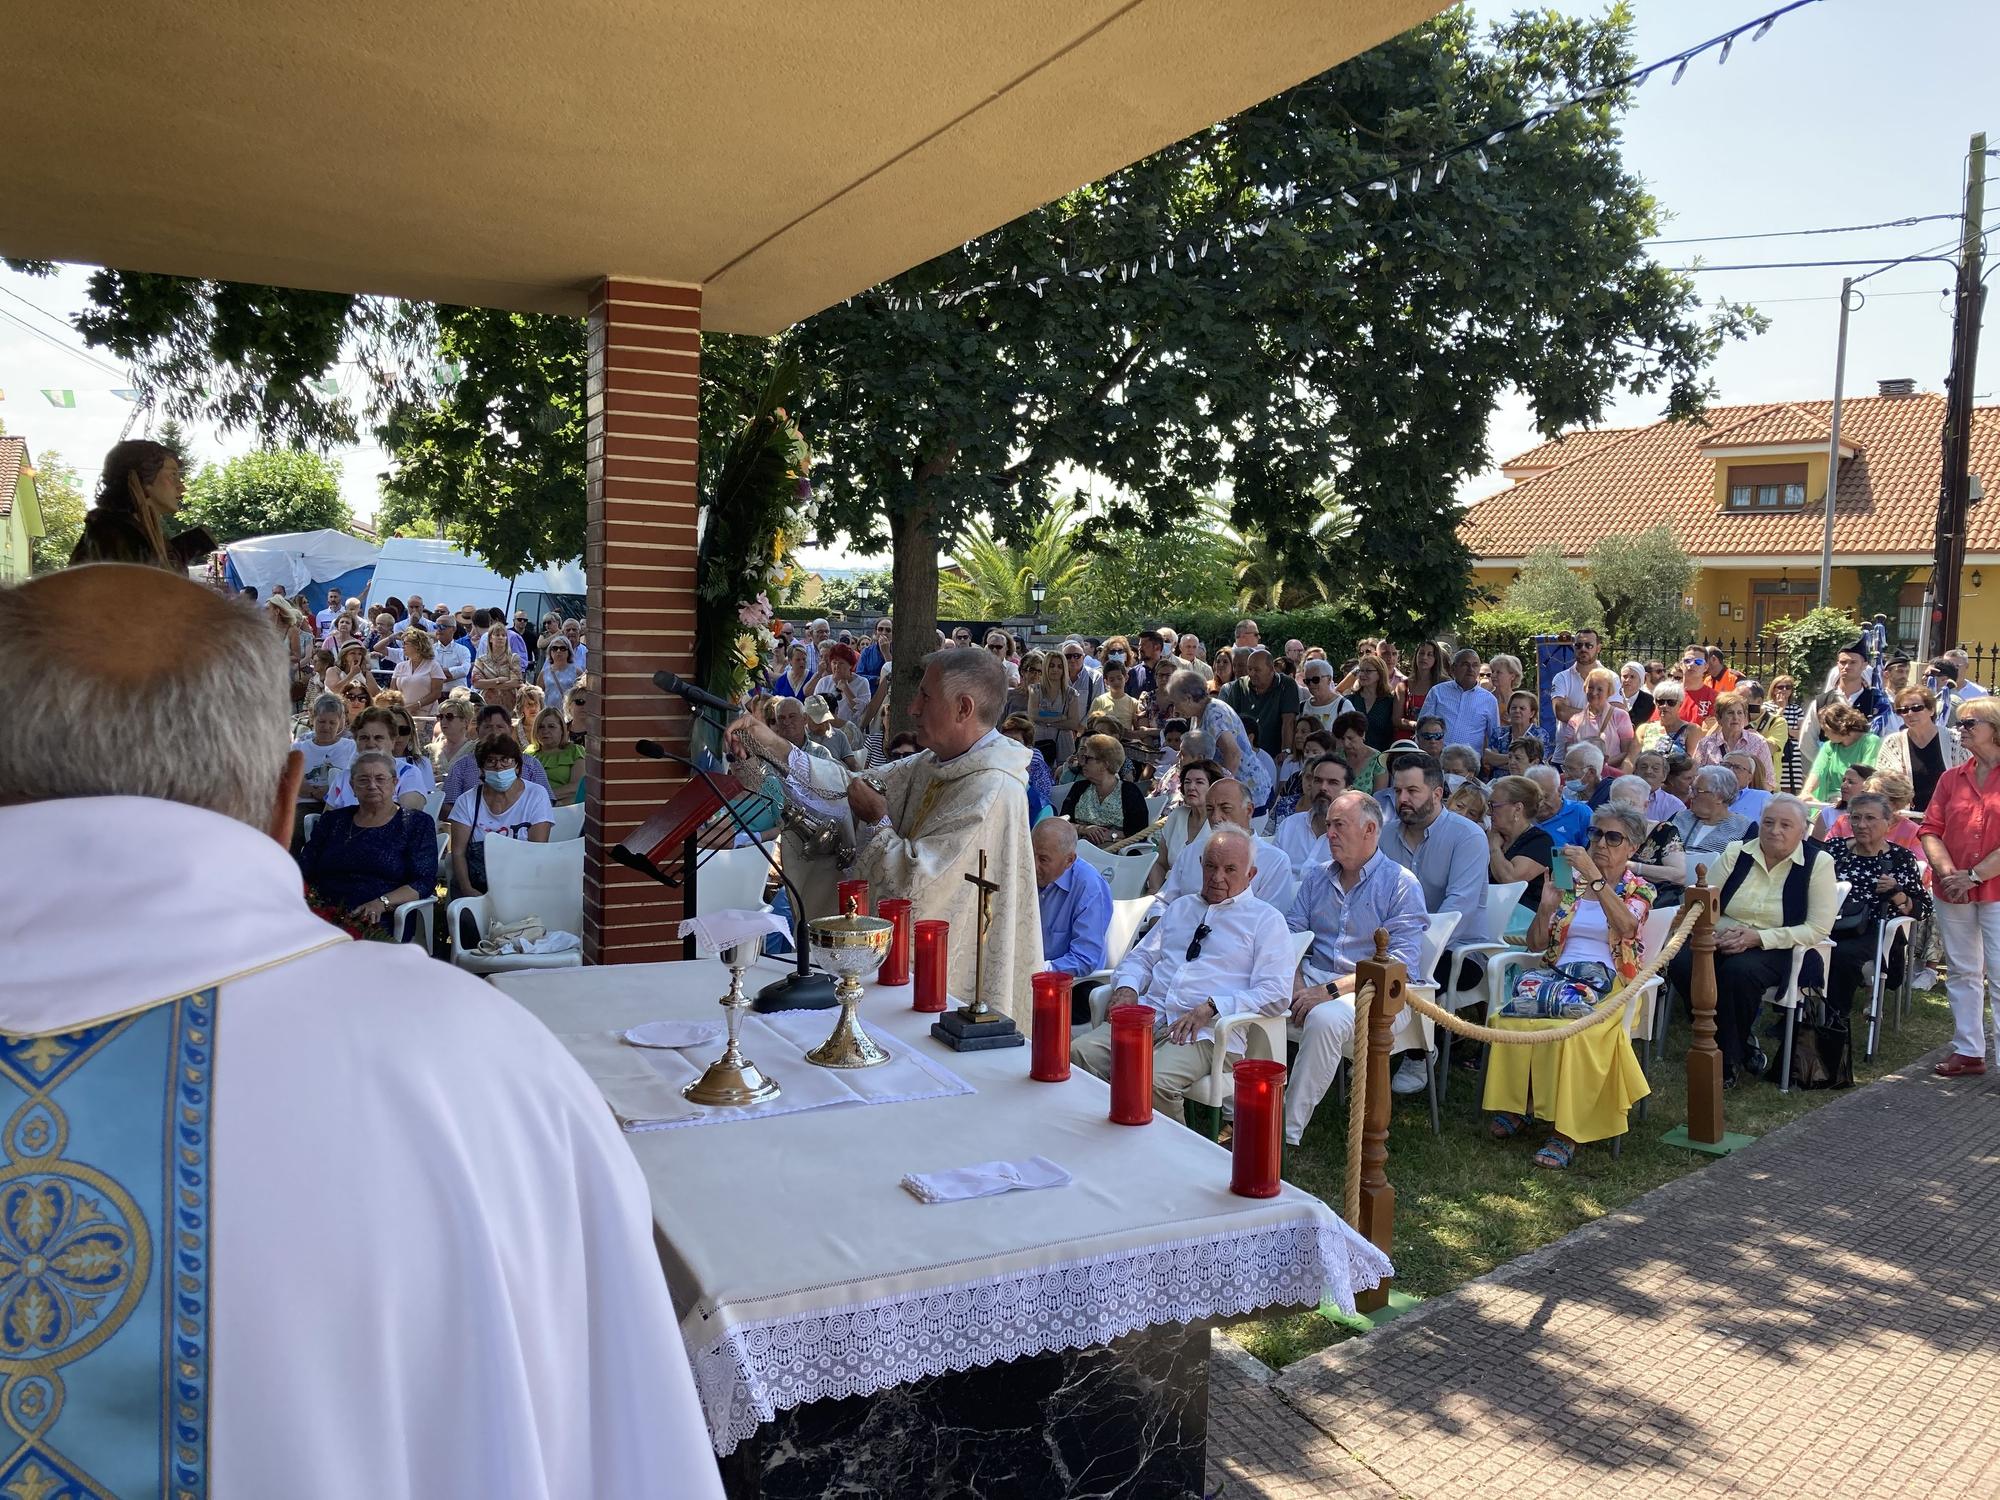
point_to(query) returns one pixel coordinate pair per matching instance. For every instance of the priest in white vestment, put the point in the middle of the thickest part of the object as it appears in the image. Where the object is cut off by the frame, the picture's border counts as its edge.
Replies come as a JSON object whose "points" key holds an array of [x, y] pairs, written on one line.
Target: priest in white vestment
{"points": [[316, 1217], [923, 832]]}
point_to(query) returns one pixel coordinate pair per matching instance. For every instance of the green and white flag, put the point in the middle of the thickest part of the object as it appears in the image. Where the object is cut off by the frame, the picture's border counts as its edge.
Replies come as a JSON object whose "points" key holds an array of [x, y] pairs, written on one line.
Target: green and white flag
{"points": [[61, 398]]}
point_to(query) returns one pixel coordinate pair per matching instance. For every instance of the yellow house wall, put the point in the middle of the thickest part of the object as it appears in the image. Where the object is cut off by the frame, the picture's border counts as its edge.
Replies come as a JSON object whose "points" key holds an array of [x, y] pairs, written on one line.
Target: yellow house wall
{"points": [[1815, 473], [15, 557]]}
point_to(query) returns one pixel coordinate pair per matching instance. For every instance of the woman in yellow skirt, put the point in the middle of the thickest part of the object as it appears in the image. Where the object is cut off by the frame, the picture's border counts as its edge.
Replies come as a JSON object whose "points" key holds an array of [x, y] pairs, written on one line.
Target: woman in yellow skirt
{"points": [[1589, 939]]}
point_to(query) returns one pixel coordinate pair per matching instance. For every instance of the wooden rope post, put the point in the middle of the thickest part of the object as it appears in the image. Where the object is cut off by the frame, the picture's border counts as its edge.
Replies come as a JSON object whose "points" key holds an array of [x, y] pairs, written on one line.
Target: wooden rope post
{"points": [[1704, 1059], [1378, 1198]]}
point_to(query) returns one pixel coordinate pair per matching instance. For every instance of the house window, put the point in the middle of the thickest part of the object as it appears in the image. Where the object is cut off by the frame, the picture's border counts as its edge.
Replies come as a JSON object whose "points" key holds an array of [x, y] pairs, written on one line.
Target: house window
{"points": [[1767, 487]]}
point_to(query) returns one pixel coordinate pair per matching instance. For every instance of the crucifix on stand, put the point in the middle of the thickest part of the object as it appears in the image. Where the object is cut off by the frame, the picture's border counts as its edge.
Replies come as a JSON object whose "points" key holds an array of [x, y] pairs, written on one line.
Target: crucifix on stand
{"points": [[975, 1026]]}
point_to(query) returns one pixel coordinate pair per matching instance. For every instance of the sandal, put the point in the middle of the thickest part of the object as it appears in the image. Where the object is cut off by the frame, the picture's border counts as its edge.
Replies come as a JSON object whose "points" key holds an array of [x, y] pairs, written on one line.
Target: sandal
{"points": [[1556, 1154], [1504, 1126]]}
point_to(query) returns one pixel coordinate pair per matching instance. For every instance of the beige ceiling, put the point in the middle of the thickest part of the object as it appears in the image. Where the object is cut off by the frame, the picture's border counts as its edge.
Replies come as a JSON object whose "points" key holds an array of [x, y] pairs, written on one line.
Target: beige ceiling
{"points": [[781, 155]]}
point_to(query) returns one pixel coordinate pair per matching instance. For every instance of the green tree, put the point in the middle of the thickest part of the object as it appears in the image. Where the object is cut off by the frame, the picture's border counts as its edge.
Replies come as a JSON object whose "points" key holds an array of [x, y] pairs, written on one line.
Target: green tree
{"points": [[990, 578], [269, 490], [1880, 593], [1812, 641], [1295, 572], [1551, 589], [174, 435], [59, 493], [1641, 581], [844, 594], [1150, 572]]}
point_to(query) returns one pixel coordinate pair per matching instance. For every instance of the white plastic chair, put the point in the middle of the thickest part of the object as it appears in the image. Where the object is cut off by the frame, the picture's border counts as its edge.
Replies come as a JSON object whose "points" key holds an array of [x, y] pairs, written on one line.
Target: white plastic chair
{"points": [[1787, 999], [1126, 872], [1501, 899], [730, 880], [1219, 1087], [566, 823], [1157, 804], [523, 879], [1126, 918], [434, 804], [1886, 933]]}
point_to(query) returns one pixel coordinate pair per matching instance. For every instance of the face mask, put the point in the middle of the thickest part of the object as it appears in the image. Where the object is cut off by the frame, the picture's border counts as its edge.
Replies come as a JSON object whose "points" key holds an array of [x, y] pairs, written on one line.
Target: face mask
{"points": [[500, 781], [1573, 789]]}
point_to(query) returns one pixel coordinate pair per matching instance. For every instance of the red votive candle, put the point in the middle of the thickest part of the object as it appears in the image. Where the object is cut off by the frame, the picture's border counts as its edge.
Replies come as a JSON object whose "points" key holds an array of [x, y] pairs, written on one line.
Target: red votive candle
{"points": [[896, 967], [1260, 1128], [1131, 1064], [933, 962], [851, 898], [1050, 1063]]}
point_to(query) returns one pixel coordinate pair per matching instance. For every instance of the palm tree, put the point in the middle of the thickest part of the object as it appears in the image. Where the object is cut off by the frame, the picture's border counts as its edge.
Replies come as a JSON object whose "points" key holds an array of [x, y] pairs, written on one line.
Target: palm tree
{"points": [[1271, 575], [988, 579]]}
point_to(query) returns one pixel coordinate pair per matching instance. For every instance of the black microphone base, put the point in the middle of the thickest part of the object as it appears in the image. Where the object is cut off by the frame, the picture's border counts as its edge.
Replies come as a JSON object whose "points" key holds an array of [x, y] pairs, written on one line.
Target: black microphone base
{"points": [[797, 992]]}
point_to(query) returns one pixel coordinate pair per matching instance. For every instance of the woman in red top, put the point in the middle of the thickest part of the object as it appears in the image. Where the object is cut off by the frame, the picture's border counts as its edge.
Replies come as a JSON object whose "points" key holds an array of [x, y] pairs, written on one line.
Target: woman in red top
{"points": [[1961, 836]]}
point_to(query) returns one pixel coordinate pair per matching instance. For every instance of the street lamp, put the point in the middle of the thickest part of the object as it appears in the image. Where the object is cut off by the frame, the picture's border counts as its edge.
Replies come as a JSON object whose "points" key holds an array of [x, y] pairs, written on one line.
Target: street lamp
{"points": [[1037, 593]]}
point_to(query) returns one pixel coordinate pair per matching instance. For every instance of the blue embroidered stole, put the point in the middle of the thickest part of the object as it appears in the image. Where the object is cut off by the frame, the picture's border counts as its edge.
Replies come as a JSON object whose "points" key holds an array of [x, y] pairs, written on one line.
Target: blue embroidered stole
{"points": [[104, 1256]]}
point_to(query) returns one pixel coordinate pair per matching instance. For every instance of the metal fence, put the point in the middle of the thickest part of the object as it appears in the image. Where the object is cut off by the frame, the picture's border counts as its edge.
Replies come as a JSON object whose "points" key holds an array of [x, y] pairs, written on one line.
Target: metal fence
{"points": [[1764, 659]]}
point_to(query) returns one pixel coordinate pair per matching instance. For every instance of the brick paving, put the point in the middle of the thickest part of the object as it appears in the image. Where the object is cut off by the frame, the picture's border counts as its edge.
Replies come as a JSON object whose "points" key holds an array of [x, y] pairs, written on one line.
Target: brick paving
{"points": [[1816, 1316]]}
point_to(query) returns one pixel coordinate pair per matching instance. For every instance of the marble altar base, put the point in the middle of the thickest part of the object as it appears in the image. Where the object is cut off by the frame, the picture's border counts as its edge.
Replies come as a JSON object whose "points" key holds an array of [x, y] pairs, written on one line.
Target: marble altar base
{"points": [[1127, 1419]]}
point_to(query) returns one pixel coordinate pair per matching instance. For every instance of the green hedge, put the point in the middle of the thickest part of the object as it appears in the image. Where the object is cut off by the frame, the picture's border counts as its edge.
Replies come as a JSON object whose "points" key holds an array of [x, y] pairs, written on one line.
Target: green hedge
{"points": [[1491, 632], [1332, 629]]}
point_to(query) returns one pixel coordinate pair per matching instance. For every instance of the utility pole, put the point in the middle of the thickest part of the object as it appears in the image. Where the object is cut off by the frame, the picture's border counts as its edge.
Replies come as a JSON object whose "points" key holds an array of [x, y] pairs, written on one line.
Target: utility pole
{"points": [[1833, 447], [1955, 443]]}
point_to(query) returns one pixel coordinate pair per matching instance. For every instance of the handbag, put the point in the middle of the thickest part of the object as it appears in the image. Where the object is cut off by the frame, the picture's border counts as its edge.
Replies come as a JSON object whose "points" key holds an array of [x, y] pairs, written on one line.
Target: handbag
{"points": [[1856, 914], [1822, 1047]]}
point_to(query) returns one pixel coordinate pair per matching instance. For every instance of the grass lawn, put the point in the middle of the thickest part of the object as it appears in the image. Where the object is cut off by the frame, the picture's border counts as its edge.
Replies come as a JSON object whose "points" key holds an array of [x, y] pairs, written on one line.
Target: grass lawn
{"points": [[1465, 1204]]}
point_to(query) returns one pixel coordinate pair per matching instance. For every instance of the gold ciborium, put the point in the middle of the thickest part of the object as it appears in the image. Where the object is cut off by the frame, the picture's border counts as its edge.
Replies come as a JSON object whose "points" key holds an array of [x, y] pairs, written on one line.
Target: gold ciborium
{"points": [[848, 947], [732, 1078]]}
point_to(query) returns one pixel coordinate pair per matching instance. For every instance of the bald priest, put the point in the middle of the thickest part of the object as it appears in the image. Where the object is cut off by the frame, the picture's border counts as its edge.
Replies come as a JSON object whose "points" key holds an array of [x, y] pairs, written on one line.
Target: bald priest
{"points": [[923, 832]]}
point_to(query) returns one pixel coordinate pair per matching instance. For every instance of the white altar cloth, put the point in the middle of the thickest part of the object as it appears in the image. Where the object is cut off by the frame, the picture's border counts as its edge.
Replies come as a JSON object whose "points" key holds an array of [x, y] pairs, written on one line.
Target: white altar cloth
{"points": [[643, 1084], [802, 1271]]}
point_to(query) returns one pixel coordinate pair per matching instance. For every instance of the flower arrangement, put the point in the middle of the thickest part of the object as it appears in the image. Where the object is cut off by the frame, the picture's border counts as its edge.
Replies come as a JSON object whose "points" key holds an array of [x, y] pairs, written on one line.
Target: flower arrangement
{"points": [[760, 487]]}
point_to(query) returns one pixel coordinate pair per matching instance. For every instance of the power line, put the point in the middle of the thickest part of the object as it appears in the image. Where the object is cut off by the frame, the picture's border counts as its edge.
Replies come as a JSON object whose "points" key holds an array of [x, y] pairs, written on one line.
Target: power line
{"points": [[1781, 234], [54, 343], [55, 318], [1794, 265]]}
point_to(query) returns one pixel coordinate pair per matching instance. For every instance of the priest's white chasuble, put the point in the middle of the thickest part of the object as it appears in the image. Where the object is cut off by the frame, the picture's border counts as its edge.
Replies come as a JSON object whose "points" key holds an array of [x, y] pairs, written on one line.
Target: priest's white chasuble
{"points": [[941, 816], [284, 1214]]}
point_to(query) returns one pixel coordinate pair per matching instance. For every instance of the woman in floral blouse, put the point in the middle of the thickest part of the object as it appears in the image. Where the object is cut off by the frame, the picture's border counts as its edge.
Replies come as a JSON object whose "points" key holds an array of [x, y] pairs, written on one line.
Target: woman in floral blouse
{"points": [[1590, 942], [1887, 873]]}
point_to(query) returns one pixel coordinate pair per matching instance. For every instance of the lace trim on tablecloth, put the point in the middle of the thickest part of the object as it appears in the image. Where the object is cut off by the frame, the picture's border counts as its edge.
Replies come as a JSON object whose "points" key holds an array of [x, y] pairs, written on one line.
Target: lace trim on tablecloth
{"points": [[755, 1370]]}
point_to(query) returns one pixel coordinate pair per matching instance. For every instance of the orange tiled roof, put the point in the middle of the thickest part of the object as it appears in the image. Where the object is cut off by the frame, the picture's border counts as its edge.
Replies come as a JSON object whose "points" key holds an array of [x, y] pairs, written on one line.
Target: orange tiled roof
{"points": [[13, 459], [1567, 448], [1642, 477], [1776, 425]]}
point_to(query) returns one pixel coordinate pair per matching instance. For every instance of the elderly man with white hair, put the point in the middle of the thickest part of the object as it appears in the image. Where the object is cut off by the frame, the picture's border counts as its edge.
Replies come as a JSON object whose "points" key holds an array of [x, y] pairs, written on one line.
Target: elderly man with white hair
{"points": [[1228, 806], [372, 1247], [1341, 903], [1583, 773], [1217, 952], [1776, 893]]}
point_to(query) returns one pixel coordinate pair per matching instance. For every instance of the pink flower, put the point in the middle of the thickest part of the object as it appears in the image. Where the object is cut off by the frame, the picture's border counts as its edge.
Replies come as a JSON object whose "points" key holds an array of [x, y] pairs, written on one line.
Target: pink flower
{"points": [[756, 613]]}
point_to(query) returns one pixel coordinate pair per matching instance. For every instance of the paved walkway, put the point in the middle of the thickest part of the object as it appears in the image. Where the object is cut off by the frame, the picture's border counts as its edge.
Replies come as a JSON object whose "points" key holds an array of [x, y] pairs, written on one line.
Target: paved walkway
{"points": [[1816, 1316]]}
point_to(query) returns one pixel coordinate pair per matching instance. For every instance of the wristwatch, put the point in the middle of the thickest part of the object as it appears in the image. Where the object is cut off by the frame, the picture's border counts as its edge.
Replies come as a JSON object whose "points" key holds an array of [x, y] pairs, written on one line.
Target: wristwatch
{"points": [[1594, 886]]}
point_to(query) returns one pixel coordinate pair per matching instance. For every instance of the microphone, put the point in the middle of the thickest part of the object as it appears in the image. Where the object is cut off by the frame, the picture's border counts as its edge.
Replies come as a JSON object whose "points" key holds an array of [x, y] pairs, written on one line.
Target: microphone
{"points": [[689, 693], [802, 989]]}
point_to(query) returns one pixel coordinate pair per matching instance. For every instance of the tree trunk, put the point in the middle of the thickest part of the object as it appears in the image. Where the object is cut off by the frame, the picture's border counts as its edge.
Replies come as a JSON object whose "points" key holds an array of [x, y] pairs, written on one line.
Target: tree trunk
{"points": [[914, 586]]}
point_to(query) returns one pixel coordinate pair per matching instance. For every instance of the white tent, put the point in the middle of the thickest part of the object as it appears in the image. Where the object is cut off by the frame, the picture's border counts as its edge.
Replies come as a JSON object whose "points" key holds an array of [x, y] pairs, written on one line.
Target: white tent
{"points": [[295, 559], [442, 574]]}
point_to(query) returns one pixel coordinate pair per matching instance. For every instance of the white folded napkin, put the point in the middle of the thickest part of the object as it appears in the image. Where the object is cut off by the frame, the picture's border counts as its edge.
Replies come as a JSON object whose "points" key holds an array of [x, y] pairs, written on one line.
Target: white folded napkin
{"points": [[674, 1034], [986, 1179], [717, 930]]}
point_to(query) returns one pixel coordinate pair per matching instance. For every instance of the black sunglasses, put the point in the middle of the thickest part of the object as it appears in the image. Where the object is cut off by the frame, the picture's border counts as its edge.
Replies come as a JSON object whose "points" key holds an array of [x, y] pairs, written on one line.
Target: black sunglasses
{"points": [[1194, 947], [1607, 836]]}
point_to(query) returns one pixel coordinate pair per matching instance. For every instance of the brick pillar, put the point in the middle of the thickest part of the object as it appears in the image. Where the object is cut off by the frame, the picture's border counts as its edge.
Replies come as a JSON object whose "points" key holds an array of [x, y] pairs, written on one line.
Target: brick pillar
{"points": [[645, 358]]}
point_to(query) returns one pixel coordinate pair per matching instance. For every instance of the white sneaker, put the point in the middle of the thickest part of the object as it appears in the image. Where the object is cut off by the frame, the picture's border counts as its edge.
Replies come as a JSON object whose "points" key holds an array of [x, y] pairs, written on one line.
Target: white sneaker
{"points": [[1924, 979], [1412, 1076]]}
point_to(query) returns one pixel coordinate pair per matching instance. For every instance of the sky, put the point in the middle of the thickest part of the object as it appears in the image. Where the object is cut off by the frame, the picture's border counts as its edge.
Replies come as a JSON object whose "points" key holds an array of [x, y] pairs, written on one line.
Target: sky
{"points": [[1848, 112]]}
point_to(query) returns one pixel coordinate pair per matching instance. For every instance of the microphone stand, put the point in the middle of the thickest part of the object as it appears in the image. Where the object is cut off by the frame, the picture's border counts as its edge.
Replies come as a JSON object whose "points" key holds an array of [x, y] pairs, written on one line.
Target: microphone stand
{"points": [[802, 989]]}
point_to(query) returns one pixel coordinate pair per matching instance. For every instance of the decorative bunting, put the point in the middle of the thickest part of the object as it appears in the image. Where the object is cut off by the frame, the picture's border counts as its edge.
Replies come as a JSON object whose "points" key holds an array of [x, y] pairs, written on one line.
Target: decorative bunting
{"points": [[64, 399]]}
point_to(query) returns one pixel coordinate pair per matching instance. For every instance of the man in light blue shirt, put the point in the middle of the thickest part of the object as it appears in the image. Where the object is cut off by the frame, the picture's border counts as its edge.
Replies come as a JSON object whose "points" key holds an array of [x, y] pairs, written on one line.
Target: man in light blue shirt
{"points": [[1470, 712], [1075, 902], [1342, 903]]}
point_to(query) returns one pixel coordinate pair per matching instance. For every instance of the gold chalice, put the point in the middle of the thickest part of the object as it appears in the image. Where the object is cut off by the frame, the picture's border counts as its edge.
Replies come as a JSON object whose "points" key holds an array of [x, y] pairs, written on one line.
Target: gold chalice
{"points": [[848, 947]]}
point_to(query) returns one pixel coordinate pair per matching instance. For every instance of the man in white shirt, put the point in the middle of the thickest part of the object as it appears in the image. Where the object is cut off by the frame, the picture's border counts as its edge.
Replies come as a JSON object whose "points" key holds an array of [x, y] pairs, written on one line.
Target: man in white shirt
{"points": [[487, 1316], [579, 652], [452, 655], [1303, 835], [1228, 806], [324, 619], [1566, 692], [1219, 952]]}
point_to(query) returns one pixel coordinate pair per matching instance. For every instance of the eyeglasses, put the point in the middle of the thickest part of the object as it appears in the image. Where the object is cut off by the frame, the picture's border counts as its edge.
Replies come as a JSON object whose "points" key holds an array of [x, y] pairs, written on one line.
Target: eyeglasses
{"points": [[1608, 836], [1194, 947], [1912, 708], [1430, 736], [1072, 656]]}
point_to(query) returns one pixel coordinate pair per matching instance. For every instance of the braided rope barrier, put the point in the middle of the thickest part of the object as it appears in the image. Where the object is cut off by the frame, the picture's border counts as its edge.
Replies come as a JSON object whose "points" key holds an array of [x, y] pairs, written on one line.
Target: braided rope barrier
{"points": [[1364, 1001]]}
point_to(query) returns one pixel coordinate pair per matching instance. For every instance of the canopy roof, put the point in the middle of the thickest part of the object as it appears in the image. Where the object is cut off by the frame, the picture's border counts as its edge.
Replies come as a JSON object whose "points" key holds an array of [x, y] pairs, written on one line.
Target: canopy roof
{"points": [[782, 156], [295, 559]]}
